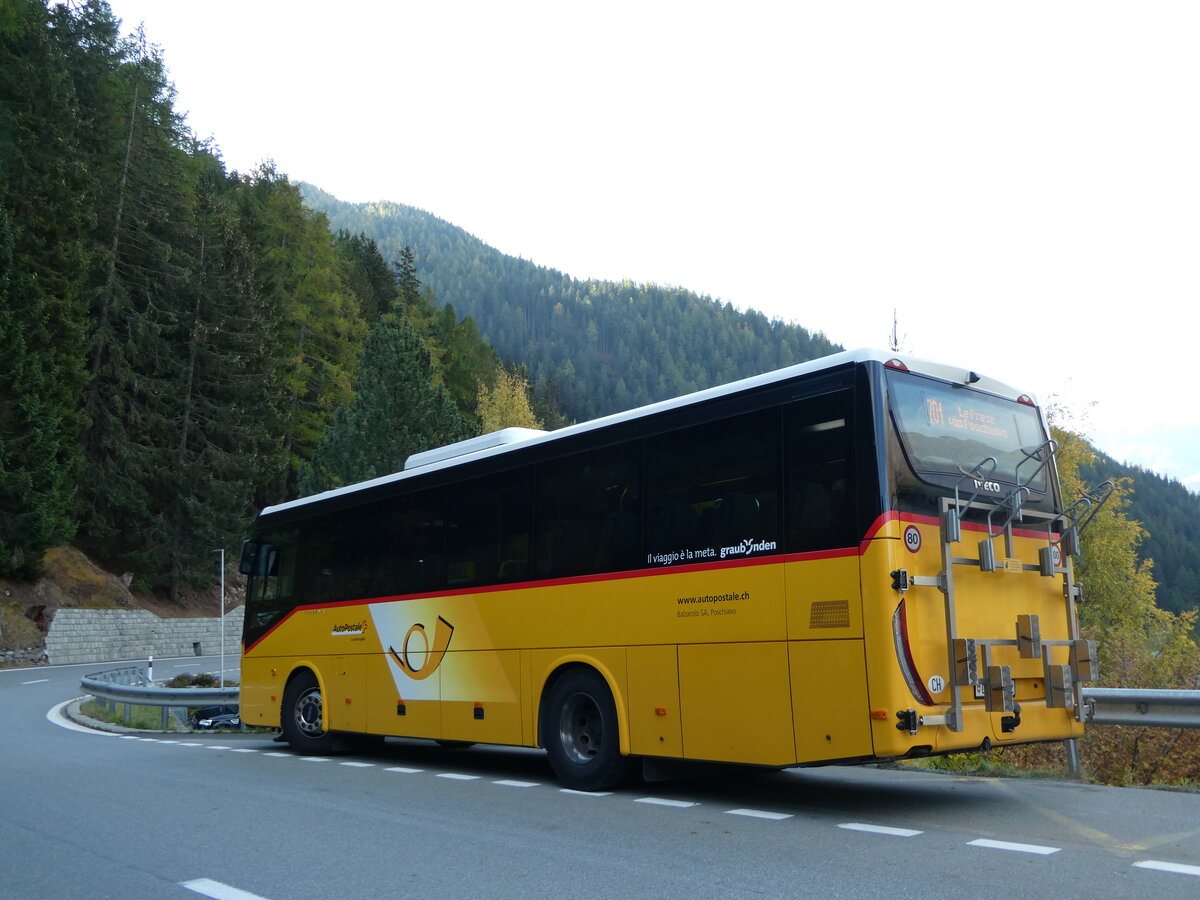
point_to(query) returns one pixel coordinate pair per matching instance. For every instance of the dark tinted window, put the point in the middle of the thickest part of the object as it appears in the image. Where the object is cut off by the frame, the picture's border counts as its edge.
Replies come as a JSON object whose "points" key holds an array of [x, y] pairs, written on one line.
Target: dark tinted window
{"points": [[415, 542], [344, 556], [487, 537], [588, 513], [712, 491], [822, 488]]}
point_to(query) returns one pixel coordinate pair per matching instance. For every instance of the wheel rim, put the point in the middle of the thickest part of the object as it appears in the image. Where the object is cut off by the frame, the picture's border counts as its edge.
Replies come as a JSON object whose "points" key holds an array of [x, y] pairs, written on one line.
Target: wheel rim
{"points": [[309, 713], [580, 729]]}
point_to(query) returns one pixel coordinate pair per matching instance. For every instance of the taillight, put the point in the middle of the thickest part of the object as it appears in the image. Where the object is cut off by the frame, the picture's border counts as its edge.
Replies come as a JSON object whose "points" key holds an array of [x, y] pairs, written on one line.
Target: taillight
{"points": [[904, 655], [1026, 399], [895, 364]]}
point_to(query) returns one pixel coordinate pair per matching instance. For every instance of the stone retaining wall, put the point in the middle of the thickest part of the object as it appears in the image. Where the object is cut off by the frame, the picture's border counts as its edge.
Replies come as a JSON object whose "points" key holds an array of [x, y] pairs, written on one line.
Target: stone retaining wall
{"points": [[105, 635]]}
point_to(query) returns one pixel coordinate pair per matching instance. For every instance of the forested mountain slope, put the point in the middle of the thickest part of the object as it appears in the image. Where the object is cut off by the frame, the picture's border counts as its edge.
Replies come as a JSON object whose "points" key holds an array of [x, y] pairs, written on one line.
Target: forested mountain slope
{"points": [[607, 346], [1170, 513]]}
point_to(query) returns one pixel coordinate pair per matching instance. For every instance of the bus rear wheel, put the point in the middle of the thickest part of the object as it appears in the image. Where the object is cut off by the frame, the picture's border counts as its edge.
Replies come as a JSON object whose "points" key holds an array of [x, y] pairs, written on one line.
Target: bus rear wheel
{"points": [[580, 733], [303, 716]]}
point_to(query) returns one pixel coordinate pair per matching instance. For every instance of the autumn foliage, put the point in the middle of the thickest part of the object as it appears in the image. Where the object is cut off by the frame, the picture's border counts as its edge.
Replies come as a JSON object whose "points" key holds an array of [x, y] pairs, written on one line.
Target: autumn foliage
{"points": [[1140, 646]]}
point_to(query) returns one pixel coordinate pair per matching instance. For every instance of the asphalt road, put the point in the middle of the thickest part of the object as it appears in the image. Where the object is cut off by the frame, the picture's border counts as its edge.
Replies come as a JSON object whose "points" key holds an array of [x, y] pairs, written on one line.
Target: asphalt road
{"points": [[90, 815]]}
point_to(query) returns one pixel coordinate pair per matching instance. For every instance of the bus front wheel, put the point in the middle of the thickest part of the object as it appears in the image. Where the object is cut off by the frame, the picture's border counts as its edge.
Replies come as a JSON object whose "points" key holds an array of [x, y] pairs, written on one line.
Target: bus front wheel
{"points": [[580, 733], [303, 716]]}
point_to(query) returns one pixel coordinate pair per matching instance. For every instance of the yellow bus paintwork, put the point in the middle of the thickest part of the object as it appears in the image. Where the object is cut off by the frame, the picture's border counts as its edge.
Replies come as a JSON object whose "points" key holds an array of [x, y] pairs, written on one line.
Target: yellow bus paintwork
{"points": [[778, 661]]}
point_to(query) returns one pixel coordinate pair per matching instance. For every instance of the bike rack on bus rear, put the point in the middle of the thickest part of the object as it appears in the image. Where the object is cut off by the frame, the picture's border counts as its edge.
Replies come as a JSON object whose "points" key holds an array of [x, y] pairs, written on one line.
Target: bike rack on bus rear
{"points": [[971, 659]]}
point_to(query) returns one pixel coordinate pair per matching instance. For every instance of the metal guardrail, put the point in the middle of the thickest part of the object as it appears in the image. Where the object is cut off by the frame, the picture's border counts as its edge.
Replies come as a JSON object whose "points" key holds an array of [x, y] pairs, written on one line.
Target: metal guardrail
{"points": [[133, 686], [1102, 706], [1132, 706]]}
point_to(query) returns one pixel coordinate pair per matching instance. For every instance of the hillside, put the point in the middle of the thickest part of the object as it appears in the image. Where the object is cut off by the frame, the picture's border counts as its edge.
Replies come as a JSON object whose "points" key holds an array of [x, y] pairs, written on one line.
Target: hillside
{"points": [[1170, 513], [73, 581], [606, 346]]}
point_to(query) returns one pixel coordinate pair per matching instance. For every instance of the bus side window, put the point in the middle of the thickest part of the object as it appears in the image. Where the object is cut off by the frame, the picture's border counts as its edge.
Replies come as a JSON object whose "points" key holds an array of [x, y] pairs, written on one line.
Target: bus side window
{"points": [[821, 500], [587, 513], [713, 490], [341, 557], [487, 537], [415, 539]]}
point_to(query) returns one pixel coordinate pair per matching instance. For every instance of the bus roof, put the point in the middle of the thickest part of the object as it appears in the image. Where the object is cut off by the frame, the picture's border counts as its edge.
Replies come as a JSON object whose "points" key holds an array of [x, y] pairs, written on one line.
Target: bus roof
{"points": [[504, 441]]}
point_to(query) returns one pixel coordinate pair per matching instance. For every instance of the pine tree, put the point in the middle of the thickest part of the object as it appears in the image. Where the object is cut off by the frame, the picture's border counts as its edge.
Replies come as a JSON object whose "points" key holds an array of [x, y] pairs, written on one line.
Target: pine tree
{"points": [[397, 410], [465, 359], [44, 222], [141, 293], [310, 322], [367, 275]]}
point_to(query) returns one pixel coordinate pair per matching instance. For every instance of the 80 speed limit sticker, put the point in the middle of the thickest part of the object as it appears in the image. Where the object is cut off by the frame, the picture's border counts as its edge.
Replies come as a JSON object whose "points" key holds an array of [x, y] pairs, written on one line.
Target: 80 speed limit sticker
{"points": [[912, 539]]}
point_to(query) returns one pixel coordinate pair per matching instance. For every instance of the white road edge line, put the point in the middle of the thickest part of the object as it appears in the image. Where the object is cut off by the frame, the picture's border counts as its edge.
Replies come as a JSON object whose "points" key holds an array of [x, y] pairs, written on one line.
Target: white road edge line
{"points": [[59, 718], [1159, 865], [1016, 848], [880, 829], [217, 890], [507, 782]]}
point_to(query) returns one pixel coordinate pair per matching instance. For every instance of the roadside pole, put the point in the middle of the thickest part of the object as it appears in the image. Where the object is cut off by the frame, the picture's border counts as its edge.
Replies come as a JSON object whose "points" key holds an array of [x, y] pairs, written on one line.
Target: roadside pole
{"points": [[221, 674]]}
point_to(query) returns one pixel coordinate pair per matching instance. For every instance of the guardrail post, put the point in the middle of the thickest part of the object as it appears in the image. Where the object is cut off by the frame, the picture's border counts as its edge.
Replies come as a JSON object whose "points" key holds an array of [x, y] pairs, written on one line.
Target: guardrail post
{"points": [[1072, 757]]}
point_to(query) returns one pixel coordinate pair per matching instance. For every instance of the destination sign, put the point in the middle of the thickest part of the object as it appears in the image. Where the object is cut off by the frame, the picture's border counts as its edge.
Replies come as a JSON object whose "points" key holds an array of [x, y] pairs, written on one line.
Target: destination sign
{"points": [[963, 418]]}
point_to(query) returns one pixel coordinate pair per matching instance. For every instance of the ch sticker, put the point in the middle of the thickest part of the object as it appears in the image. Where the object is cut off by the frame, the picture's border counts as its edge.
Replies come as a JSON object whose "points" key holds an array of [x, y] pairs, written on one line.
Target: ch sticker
{"points": [[430, 655]]}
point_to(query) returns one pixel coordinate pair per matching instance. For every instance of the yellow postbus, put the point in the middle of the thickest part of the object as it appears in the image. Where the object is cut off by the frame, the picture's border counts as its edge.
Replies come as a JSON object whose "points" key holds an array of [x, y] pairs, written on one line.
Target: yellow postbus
{"points": [[860, 558]]}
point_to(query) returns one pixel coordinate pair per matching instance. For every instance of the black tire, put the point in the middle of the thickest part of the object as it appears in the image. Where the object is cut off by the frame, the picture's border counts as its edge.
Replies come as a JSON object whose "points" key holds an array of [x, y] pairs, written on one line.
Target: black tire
{"points": [[302, 716], [580, 732]]}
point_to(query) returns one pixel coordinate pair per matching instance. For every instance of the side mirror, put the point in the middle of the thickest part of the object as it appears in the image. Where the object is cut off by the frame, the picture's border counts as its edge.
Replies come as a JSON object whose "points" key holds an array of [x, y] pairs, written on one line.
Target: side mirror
{"points": [[249, 554], [258, 558]]}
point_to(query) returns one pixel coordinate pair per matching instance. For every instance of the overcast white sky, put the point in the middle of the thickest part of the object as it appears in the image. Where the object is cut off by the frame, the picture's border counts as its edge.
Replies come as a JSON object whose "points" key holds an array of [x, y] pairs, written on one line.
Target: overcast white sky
{"points": [[1020, 182]]}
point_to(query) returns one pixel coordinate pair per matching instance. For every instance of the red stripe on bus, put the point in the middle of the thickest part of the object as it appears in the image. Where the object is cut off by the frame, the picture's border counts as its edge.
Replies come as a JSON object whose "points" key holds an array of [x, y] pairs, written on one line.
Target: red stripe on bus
{"points": [[873, 533], [776, 559]]}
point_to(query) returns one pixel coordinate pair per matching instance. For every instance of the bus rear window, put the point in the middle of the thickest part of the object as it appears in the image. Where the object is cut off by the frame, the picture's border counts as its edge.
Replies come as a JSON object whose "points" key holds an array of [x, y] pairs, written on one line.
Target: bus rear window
{"points": [[948, 430]]}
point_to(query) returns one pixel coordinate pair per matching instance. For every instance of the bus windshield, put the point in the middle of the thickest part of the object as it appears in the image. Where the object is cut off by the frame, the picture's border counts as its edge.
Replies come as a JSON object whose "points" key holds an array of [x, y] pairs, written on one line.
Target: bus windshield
{"points": [[948, 430]]}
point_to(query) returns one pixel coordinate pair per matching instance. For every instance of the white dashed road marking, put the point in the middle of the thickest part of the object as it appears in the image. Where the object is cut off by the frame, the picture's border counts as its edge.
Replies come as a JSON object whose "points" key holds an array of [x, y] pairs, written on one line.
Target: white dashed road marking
{"points": [[1177, 868], [1016, 848], [759, 814], [659, 801], [217, 890], [880, 829]]}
